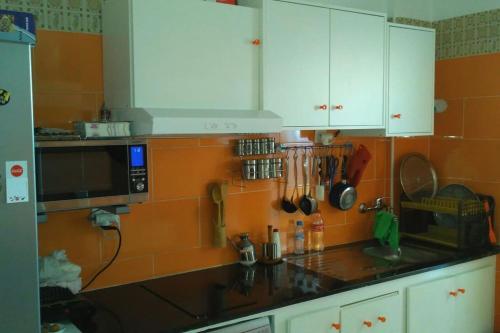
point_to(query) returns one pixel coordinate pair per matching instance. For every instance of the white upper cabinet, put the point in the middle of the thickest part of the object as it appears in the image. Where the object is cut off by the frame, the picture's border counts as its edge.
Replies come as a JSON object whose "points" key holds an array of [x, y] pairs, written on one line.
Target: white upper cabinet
{"points": [[411, 81], [296, 62], [181, 54], [322, 67], [356, 70]]}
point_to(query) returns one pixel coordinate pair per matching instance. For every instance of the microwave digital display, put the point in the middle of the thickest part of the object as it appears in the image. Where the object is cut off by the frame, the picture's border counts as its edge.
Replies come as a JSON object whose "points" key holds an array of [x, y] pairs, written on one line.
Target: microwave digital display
{"points": [[137, 156]]}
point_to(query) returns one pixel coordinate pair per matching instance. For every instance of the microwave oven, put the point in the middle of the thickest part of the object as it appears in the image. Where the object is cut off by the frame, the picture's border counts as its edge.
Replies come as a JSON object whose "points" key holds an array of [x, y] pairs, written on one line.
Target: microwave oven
{"points": [[90, 173]]}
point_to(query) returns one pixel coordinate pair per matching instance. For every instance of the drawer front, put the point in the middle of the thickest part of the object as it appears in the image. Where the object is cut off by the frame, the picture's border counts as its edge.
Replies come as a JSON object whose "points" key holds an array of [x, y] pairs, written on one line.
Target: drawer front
{"points": [[323, 321], [377, 315]]}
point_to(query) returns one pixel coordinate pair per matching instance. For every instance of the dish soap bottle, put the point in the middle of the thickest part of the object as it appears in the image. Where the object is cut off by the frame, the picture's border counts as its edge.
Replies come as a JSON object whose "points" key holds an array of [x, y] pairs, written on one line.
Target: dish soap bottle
{"points": [[317, 231], [299, 238]]}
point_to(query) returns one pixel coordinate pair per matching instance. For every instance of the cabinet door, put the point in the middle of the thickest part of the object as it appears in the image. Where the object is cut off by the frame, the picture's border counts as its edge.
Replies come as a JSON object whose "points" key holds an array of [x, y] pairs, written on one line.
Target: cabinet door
{"points": [[411, 81], [195, 54], [430, 307], [296, 62], [475, 301], [357, 70], [381, 314], [323, 321]]}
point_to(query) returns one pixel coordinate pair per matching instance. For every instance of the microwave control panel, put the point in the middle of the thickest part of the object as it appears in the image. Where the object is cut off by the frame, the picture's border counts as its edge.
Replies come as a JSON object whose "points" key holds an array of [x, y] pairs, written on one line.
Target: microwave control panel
{"points": [[138, 169]]}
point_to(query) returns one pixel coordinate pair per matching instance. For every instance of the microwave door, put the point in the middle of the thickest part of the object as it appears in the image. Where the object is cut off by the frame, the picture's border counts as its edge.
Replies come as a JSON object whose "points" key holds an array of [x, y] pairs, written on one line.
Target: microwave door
{"points": [[82, 177]]}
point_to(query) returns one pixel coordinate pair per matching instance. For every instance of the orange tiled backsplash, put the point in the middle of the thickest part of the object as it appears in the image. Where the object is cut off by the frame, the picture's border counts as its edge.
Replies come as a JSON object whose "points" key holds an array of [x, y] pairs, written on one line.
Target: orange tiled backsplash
{"points": [[173, 231]]}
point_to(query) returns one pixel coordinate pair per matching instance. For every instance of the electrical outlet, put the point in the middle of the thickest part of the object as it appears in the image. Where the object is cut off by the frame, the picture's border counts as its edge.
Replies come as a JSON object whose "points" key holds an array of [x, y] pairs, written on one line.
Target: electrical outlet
{"points": [[101, 218]]}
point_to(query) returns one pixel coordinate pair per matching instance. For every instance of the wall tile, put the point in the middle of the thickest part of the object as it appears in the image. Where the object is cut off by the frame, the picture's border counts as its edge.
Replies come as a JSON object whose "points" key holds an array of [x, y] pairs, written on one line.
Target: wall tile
{"points": [[62, 109], [128, 270], [176, 225], [138, 234], [482, 118], [450, 122], [67, 63], [192, 259], [72, 232]]}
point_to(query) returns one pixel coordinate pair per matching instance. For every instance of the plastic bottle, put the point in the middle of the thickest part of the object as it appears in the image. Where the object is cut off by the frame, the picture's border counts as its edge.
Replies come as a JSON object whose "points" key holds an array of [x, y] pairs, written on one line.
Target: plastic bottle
{"points": [[299, 238], [277, 241], [317, 230]]}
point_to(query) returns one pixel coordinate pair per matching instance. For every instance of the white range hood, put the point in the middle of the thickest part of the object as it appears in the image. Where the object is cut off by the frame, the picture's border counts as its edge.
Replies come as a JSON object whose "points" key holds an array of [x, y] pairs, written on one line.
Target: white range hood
{"points": [[150, 121]]}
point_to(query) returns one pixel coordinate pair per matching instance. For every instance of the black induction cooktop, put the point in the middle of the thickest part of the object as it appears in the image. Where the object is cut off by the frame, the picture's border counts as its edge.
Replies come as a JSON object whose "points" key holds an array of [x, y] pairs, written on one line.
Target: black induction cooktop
{"points": [[235, 288]]}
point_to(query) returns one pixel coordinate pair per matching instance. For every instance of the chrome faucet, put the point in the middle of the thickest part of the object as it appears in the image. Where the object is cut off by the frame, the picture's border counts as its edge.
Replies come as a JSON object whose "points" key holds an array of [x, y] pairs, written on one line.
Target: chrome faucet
{"points": [[379, 205]]}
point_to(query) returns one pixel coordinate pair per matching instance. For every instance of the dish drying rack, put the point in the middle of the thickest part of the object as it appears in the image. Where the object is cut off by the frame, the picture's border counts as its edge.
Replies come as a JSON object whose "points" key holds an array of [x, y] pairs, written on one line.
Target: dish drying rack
{"points": [[417, 221]]}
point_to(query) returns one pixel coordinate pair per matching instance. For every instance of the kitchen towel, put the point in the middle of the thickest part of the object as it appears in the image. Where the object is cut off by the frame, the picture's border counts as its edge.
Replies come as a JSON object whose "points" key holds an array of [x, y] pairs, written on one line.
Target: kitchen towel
{"points": [[386, 229]]}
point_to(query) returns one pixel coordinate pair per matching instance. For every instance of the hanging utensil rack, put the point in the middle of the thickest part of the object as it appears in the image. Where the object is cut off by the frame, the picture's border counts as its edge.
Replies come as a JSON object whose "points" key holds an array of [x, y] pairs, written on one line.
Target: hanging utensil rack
{"points": [[285, 147], [284, 151]]}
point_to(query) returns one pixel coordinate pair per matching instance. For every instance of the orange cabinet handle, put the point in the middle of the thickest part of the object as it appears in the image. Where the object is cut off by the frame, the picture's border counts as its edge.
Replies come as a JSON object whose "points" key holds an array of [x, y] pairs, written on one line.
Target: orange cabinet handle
{"points": [[396, 116], [323, 107], [461, 290], [256, 42], [453, 293], [367, 323], [336, 326], [382, 319], [338, 107]]}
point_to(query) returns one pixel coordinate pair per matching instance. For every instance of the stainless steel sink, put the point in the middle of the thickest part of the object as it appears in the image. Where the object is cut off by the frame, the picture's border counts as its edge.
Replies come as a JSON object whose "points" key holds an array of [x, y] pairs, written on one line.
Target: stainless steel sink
{"points": [[405, 254], [359, 261]]}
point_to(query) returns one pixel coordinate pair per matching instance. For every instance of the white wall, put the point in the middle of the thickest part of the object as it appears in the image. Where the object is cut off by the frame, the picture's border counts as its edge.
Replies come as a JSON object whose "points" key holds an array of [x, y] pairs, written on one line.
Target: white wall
{"points": [[443, 9], [416, 9]]}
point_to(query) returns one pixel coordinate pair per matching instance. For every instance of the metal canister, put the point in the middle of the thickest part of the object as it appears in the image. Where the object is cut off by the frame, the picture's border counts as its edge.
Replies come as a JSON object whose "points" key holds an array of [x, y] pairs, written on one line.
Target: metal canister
{"points": [[256, 147], [240, 147], [250, 169], [271, 145], [264, 147], [276, 168], [248, 147], [263, 167]]}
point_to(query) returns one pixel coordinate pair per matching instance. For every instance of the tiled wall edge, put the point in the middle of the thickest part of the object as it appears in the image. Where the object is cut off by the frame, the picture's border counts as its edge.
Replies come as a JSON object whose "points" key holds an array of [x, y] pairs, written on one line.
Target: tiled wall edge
{"points": [[463, 36], [61, 15]]}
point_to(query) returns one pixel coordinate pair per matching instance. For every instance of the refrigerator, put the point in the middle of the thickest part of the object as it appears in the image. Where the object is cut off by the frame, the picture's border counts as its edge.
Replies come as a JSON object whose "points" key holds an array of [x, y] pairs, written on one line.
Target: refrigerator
{"points": [[19, 291]]}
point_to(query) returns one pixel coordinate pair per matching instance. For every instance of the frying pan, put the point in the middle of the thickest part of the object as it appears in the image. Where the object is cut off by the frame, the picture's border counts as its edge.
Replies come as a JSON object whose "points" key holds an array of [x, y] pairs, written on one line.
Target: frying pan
{"points": [[344, 195]]}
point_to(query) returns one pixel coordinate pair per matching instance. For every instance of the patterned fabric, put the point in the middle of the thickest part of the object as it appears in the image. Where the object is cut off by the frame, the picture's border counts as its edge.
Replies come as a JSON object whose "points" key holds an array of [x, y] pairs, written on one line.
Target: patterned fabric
{"points": [[61, 15]]}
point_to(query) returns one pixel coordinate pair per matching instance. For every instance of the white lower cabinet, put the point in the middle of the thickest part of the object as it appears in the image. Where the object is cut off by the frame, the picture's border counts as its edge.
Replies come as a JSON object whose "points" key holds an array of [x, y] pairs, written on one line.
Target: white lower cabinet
{"points": [[378, 315], [455, 299], [463, 303]]}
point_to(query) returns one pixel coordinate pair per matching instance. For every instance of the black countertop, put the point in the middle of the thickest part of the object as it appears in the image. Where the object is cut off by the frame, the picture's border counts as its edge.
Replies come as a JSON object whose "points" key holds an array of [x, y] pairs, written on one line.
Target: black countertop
{"points": [[198, 299]]}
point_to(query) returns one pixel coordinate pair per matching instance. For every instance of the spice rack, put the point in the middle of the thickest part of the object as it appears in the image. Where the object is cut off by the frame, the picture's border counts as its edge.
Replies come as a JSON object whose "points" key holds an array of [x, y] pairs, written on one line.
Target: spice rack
{"points": [[259, 159]]}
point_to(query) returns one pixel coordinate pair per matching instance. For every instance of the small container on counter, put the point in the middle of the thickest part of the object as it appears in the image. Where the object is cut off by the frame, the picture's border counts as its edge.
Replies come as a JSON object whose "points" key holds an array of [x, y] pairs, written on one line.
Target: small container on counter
{"points": [[317, 233], [277, 243]]}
